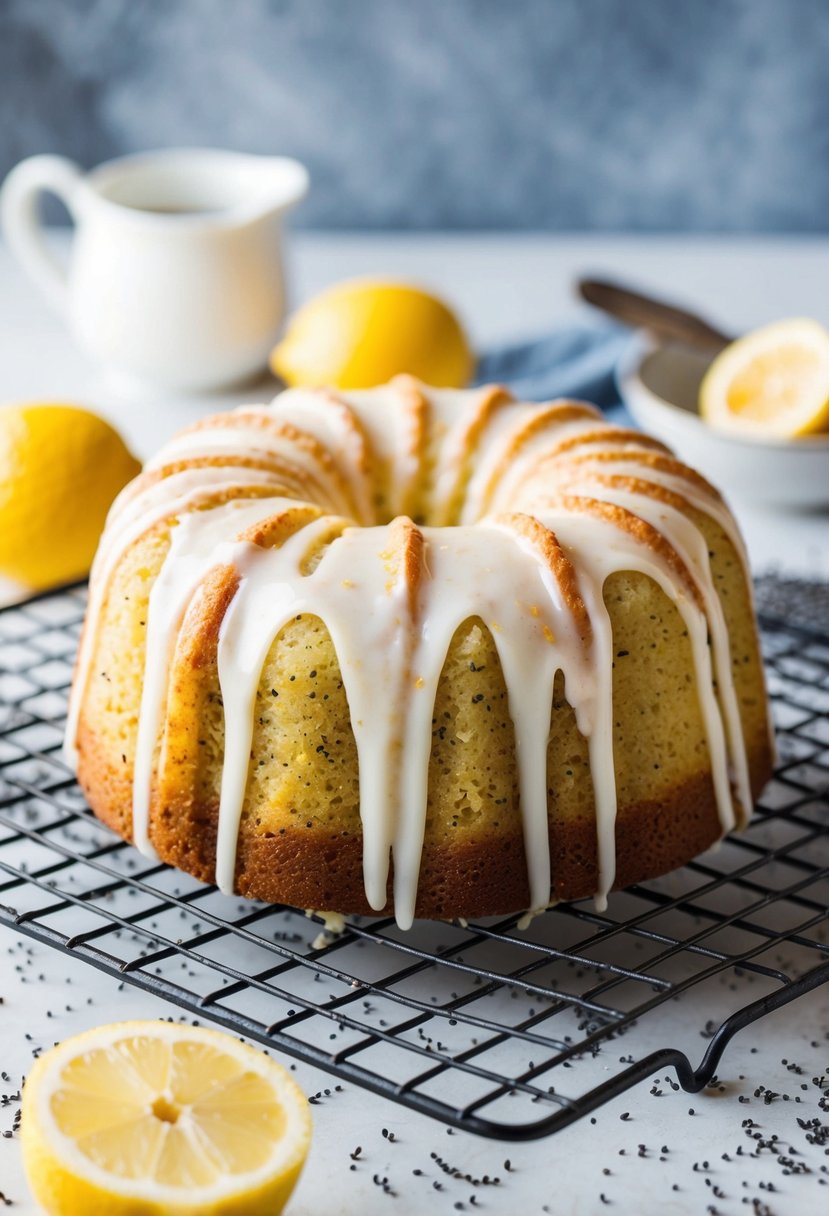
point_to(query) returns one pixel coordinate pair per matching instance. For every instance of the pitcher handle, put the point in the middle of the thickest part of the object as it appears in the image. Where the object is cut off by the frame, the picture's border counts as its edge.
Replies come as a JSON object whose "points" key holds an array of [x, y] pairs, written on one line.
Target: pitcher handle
{"points": [[22, 226]]}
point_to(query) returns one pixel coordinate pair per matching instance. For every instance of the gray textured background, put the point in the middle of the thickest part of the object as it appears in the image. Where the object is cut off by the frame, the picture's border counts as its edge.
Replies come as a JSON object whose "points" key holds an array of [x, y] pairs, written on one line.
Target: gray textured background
{"points": [[528, 114]]}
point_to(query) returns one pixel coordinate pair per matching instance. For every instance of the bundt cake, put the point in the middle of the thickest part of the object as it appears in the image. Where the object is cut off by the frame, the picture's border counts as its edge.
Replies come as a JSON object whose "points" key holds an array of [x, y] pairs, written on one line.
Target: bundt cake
{"points": [[429, 653]]}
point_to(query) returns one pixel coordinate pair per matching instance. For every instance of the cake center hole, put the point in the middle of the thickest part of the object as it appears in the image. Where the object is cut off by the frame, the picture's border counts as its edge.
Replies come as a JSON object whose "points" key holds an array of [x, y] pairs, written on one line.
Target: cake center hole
{"points": [[166, 1111]]}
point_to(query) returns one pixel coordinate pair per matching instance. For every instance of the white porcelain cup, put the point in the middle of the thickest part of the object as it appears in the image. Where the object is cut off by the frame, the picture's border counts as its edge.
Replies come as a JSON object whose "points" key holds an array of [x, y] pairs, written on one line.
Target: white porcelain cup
{"points": [[175, 275]]}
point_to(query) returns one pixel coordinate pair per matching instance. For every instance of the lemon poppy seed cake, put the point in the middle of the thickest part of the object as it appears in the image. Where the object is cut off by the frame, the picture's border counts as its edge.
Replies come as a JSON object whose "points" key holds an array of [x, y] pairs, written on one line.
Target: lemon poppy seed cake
{"points": [[423, 652]]}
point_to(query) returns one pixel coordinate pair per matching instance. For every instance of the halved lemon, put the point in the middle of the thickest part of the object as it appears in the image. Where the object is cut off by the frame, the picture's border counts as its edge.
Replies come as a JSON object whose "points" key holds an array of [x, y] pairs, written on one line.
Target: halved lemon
{"points": [[774, 382], [158, 1119]]}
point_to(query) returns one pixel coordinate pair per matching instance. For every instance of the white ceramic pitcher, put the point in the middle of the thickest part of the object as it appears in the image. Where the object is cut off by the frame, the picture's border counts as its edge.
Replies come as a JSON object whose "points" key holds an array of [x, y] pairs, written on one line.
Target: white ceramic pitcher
{"points": [[175, 273]]}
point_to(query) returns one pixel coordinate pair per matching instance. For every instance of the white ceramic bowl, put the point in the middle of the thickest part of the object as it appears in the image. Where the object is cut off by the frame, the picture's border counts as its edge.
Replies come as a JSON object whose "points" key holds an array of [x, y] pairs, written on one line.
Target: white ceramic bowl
{"points": [[660, 385]]}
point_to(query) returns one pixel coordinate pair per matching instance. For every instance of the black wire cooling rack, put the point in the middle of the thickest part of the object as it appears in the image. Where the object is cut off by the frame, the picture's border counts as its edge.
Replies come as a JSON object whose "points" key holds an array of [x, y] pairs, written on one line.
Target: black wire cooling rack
{"points": [[507, 1032]]}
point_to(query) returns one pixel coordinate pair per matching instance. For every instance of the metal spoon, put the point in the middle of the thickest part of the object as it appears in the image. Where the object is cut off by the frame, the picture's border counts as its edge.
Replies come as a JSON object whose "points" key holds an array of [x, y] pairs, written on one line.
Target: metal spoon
{"points": [[664, 320]]}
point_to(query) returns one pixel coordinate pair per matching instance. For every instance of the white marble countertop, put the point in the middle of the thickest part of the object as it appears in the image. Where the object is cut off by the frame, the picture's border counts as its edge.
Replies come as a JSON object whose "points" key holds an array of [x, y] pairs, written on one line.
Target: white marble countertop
{"points": [[505, 287]]}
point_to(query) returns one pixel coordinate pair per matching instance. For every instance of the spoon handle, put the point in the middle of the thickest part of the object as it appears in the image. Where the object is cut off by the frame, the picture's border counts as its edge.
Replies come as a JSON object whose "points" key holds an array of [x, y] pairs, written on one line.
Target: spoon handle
{"points": [[664, 320]]}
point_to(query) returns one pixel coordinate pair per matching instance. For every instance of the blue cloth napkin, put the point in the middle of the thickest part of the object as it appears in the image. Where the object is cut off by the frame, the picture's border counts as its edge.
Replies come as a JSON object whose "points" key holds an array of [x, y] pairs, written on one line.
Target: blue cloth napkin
{"points": [[579, 361]]}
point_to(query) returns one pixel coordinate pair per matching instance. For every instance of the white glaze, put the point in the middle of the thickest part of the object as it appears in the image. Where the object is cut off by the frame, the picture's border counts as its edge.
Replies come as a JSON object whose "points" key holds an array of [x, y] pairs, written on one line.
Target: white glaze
{"points": [[128, 520], [200, 542], [388, 639]]}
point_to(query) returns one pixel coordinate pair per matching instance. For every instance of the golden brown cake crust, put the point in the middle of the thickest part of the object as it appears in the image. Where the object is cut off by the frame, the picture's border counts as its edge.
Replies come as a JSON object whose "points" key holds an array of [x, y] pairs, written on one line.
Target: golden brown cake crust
{"points": [[315, 868]]}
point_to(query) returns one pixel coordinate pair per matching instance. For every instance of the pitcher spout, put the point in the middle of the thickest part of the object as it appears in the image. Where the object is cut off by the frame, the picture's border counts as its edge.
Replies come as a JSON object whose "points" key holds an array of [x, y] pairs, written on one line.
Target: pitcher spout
{"points": [[282, 183]]}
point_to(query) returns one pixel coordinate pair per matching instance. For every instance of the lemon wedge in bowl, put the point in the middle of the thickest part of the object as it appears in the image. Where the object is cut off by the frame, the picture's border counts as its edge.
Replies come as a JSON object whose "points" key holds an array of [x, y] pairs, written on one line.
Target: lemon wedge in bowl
{"points": [[773, 383], [157, 1119]]}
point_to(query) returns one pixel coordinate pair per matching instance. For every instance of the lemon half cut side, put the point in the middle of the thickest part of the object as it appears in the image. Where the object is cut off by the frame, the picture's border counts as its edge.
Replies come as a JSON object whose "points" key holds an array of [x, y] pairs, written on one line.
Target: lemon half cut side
{"points": [[160, 1119], [773, 383]]}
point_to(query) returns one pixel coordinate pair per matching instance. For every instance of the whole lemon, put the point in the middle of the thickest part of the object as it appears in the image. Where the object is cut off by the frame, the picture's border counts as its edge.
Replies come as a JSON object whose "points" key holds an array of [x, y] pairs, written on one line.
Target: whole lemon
{"points": [[360, 333], [60, 468]]}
